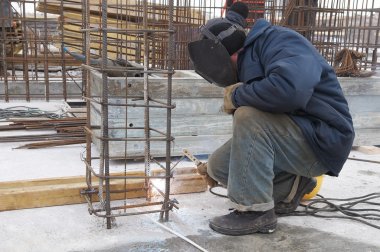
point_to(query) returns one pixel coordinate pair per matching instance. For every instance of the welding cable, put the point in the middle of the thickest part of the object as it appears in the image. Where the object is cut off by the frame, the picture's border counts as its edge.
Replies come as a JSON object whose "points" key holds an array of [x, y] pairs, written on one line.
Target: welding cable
{"points": [[327, 205], [180, 236], [215, 193], [311, 209]]}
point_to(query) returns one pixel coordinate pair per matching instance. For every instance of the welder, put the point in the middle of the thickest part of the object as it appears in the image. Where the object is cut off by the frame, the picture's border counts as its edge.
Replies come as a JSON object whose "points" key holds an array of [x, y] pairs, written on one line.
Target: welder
{"points": [[291, 121]]}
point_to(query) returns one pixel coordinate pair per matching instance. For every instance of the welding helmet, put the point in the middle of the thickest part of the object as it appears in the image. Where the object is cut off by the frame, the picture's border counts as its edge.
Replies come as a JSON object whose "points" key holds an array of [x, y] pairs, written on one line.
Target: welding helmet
{"points": [[220, 38]]}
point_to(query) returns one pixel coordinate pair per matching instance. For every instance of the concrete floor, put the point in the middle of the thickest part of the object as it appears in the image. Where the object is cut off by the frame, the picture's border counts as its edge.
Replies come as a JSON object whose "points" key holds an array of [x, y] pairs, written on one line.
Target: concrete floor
{"points": [[71, 228]]}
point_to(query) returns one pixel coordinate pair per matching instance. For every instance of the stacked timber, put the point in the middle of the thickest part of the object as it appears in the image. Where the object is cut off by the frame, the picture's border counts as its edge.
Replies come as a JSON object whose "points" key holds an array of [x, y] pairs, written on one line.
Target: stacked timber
{"points": [[125, 16], [197, 122]]}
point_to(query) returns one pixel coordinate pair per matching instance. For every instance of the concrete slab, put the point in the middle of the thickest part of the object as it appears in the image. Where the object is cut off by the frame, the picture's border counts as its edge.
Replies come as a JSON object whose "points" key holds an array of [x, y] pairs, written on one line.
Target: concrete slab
{"points": [[71, 228]]}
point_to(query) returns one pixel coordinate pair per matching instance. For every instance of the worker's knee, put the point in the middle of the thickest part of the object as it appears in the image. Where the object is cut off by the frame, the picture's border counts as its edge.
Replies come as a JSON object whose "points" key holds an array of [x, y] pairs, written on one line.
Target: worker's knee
{"points": [[249, 117]]}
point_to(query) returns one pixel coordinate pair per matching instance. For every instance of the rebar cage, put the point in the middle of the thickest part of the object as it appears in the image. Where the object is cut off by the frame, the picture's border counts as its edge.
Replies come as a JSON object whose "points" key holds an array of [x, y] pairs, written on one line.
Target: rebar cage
{"points": [[124, 45]]}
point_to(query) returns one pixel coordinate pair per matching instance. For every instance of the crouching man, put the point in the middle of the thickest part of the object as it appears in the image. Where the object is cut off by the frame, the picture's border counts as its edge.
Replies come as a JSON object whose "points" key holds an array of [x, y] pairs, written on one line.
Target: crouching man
{"points": [[291, 123]]}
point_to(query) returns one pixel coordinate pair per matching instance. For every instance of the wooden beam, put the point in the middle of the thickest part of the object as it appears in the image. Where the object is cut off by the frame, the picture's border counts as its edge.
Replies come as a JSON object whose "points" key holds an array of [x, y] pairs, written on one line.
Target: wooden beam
{"points": [[66, 190], [156, 13]]}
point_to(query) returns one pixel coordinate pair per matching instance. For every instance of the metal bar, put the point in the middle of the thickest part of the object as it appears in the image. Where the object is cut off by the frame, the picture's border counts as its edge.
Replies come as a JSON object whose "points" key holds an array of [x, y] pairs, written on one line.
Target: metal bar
{"points": [[25, 63], [105, 142], [124, 31], [130, 105], [46, 67], [133, 206], [146, 100], [62, 36], [168, 111], [87, 90], [120, 177]]}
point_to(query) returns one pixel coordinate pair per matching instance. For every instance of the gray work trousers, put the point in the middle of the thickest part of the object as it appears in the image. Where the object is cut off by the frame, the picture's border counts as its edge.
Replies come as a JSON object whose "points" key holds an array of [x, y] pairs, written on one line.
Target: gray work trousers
{"points": [[259, 164]]}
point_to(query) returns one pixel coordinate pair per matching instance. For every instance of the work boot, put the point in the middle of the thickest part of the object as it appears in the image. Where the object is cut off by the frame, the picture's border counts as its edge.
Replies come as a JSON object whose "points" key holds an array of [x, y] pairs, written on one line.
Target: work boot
{"points": [[305, 186], [243, 223]]}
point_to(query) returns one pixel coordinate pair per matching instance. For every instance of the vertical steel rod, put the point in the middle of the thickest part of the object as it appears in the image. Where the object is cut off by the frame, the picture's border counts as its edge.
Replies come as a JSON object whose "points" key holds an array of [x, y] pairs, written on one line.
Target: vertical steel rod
{"points": [[168, 111], [146, 100], [105, 112], [46, 67], [86, 83], [62, 37]]}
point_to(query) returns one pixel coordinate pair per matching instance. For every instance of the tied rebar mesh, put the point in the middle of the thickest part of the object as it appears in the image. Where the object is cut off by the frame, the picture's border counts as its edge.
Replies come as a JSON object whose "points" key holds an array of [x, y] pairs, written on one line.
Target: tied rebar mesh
{"points": [[41, 42], [109, 110]]}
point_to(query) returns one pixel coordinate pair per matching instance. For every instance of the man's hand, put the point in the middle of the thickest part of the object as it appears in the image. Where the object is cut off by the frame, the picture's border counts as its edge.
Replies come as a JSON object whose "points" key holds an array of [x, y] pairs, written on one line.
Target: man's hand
{"points": [[228, 106]]}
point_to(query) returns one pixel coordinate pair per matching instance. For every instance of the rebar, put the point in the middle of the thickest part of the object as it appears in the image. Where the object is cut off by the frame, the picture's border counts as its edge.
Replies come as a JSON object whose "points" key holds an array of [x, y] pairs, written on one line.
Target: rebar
{"points": [[109, 131], [34, 33]]}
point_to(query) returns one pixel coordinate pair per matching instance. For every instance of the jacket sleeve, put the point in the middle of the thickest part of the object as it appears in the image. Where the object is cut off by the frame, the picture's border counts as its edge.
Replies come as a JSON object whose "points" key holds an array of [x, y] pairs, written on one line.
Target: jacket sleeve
{"points": [[291, 71]]}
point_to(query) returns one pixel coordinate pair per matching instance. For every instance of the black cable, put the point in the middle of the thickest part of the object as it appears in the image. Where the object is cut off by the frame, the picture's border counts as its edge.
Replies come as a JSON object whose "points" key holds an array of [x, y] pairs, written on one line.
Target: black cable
{"points": [[345, 208], [217, 194]]}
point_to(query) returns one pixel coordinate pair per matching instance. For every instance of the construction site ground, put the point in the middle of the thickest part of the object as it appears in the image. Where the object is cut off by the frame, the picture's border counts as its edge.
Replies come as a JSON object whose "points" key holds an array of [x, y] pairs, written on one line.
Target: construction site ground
{"points": [[72, 228]]}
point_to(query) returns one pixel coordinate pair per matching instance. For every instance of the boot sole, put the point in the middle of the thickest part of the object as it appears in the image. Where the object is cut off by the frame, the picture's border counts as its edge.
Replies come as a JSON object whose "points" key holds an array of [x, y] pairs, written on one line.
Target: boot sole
{"points": [[267, 229]]}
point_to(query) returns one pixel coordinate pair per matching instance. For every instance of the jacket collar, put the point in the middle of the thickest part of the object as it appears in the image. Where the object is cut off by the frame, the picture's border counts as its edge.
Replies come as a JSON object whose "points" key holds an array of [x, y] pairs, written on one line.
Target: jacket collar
{"points": [[257, 29]]}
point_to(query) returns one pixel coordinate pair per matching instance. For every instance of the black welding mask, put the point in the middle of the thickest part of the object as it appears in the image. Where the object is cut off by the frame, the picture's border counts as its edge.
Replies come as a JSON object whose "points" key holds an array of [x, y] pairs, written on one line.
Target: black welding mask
{"points": [[211, 55], [212, 61]]}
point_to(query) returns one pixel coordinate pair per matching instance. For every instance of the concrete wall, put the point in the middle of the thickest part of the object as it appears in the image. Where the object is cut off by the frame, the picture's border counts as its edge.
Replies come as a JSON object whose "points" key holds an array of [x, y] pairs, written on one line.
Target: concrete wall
{"points": [[197, 121]]}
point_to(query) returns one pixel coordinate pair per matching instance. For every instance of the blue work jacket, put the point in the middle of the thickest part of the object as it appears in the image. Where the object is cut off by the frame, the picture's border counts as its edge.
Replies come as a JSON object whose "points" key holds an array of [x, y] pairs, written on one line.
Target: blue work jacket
{"points": [[282, 72]]}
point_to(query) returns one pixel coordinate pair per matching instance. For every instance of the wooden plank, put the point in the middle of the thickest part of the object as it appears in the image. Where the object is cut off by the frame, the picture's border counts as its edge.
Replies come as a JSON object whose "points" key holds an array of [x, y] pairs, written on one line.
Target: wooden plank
{"points": [[66, 190], [115, 42], [132, 9], [94, 21], [55, 195]]}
